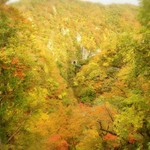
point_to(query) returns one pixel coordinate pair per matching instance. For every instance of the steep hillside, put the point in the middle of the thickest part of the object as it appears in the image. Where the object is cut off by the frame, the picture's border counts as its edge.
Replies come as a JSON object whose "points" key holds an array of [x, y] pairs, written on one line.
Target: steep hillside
{"points": [[74, 75], [29, 77], [73, 31]]}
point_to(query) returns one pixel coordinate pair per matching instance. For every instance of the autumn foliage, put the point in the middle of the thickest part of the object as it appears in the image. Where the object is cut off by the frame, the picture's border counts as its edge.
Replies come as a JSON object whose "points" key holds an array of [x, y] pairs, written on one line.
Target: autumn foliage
{"points": [[74, 76]]}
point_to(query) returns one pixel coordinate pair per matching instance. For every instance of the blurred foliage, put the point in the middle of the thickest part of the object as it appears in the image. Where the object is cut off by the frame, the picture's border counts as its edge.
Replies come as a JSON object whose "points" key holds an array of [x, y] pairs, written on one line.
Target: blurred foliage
{"points": [[74, 75]]}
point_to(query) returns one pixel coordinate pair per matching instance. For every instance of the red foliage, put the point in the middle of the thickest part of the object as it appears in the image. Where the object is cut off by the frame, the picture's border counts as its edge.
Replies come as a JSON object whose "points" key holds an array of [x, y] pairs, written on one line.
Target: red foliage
{"points": [[63, 145], [19, 74], [14, 61], [110, 137], [81, 105], [131, 139], [54, 138]]}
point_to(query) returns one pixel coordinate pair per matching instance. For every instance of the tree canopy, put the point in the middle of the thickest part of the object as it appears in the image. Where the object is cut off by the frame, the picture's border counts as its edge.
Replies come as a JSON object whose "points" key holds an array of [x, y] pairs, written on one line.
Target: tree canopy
{"points": [[74, 75]]}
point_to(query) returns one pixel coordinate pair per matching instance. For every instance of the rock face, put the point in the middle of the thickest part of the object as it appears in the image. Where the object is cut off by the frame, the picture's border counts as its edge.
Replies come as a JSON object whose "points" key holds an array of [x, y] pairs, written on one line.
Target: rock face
{"points": [[87, 53], [12, 1], [65, 31], [78, 38]]}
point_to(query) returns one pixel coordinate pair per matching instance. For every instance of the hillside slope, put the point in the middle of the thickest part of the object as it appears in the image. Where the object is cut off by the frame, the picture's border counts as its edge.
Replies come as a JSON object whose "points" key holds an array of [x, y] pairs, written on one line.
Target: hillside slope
{"points": [[74, 75], [68, 28]]}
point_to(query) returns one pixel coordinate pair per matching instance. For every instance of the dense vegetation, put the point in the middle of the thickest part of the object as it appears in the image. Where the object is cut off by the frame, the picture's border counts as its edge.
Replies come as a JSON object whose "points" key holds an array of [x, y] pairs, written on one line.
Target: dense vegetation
{"points": [[74, 75]]}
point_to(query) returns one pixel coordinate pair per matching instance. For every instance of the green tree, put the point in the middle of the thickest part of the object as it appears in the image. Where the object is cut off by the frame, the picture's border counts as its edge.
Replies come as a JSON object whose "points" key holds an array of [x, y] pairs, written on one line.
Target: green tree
{"points": [[144, 12]]}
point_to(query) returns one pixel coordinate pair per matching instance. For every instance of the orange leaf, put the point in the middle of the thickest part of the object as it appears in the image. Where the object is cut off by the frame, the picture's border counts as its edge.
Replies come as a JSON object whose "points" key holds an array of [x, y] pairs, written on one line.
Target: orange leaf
{"points": [[54, 138], [131, 139], [15, 61], [19, 74], [110, 137]]}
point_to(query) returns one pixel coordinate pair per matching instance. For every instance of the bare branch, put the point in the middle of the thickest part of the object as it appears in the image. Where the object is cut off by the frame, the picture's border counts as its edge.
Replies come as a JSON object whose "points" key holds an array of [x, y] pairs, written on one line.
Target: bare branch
{"points": [[16, 132], [111, 117]]}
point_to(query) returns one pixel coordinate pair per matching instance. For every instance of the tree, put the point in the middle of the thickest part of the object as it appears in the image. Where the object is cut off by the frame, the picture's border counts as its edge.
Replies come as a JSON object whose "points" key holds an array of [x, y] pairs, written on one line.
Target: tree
{"points": [[3, 1], [145, 13]]}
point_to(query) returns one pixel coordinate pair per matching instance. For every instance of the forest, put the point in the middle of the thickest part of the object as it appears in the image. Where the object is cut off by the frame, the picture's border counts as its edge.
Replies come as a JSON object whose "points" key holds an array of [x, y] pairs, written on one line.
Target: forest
{"points": [[74, 75]]}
